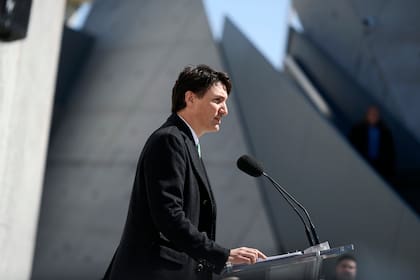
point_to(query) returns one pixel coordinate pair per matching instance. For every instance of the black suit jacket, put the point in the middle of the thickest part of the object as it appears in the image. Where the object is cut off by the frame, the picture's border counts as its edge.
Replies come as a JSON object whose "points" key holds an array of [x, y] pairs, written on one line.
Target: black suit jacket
{"points": [[385, 163], [171, 223]]}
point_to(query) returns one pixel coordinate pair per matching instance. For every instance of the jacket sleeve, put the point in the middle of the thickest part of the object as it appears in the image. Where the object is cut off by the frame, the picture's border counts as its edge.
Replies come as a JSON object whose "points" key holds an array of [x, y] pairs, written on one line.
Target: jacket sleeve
{"points": [[165, 166]]}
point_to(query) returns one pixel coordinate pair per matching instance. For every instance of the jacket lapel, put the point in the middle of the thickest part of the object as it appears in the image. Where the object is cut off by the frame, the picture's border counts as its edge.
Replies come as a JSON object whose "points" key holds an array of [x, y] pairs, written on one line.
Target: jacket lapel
{"points": [[197, 165], [192, 151]]}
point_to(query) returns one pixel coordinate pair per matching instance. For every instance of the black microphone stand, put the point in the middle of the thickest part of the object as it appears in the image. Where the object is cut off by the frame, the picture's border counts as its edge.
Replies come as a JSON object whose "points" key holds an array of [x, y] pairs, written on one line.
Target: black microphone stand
{"points": [[311, 234]]}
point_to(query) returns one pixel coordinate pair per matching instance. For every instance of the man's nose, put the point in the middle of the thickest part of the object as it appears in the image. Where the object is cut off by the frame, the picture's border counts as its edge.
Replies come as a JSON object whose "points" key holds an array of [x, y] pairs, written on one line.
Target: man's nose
{"points": [[224, 110]]}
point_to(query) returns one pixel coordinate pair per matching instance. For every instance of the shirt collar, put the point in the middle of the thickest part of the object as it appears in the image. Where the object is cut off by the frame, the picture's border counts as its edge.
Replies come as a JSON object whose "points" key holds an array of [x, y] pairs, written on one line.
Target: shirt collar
{"points": [[196, 141]]}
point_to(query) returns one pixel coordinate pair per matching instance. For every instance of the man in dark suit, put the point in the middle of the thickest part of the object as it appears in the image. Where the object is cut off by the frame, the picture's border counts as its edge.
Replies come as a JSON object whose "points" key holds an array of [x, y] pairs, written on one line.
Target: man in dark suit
{"points": [[170, 229], [374, 141]]}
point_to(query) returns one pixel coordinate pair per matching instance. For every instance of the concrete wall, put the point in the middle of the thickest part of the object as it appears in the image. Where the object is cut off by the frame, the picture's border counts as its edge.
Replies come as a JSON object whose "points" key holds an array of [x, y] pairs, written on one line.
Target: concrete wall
{"points": [[348, 102], [27, 78], [383, 57], [348, 201], [122, 97]]}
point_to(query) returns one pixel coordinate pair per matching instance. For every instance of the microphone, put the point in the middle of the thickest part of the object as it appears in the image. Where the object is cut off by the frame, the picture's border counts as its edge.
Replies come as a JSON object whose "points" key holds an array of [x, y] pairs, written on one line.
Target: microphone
{"points": [[250, 166], [255, 169]]}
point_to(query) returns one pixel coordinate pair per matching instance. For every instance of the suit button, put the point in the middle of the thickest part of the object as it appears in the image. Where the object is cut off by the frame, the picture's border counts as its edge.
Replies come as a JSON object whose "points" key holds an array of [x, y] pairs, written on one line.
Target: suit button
{"points": [[205, 201], [200, 267]]}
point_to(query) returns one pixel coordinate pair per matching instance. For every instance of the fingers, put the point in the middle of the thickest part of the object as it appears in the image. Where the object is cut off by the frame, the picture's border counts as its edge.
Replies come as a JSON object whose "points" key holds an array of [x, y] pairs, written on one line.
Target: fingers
{"points": [[255, 252], [240, 256], [243, 259], [261, 255], [245, 255], [250, 254]]}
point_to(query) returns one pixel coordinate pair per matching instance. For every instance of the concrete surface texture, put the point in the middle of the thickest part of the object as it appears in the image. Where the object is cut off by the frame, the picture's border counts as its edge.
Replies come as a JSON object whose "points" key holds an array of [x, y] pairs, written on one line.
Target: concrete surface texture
{"points": [[348, 202], [349, 101], [122, 97], [377, 43], [27, 79]]}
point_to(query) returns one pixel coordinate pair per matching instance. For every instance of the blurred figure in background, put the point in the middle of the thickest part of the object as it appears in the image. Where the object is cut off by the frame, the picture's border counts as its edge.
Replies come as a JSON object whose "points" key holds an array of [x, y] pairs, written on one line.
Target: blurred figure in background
{"points": [[346, 268], [372, 138]]}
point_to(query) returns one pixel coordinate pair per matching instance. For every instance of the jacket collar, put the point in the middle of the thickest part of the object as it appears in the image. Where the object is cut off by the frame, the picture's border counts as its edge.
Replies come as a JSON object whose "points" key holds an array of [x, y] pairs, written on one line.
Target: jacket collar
{"points": [[196, 140], [198, 165], [174, 119]]}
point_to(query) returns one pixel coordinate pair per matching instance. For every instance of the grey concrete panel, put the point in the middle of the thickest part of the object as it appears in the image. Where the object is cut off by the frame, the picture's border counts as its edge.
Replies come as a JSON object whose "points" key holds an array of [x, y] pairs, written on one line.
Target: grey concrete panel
{"points": [[79, 219], [383, 58], [349, 203], [123, 95], [349, 100]]}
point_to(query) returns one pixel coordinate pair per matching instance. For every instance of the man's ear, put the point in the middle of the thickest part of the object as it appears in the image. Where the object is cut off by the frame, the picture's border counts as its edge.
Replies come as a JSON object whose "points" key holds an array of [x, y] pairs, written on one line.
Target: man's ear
{"points": [[189, 97]]}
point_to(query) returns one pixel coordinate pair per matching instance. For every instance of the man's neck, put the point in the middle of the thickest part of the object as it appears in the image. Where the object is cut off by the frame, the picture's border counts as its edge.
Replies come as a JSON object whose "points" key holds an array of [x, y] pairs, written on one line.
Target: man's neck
{"points": [[190, 120]]}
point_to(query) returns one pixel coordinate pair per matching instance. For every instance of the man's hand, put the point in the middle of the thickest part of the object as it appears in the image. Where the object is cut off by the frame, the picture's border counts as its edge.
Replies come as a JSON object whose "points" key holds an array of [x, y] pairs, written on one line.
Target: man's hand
{"points": [[245, 255]]}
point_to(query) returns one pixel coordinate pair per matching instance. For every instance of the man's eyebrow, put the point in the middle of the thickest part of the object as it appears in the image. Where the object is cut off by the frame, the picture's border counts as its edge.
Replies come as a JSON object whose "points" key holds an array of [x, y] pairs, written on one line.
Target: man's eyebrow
{"points": [[220, 96]]}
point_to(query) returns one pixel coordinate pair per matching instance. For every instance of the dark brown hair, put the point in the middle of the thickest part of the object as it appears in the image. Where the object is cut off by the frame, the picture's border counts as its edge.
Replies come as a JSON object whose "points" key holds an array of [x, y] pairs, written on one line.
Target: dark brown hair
{"points": [[346, 257], [197, 79]]}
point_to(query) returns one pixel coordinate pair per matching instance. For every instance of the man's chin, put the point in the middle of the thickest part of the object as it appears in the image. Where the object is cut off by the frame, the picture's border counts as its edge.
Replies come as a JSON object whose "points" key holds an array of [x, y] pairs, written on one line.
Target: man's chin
{"points": [[215, 128]]}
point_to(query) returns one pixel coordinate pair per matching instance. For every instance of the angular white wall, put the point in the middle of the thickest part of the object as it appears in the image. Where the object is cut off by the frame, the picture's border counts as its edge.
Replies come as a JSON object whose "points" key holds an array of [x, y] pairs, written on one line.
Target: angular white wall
{"points": [[27, 79]]}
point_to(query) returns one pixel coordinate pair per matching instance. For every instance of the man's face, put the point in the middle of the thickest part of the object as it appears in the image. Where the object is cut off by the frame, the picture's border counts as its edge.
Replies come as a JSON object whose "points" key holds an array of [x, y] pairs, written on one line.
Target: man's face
{"points": [[211, 108], [372, 115], [346, 270]]}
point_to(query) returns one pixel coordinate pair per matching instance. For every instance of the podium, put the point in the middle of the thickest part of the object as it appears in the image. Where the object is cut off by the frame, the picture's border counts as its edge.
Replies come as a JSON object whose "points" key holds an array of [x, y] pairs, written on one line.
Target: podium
{"points": [[294, 266]]}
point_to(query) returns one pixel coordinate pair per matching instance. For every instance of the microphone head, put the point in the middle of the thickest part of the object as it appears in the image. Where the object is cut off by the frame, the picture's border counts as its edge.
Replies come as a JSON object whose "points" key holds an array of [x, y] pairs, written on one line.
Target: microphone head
{"points": [[250, 166]]}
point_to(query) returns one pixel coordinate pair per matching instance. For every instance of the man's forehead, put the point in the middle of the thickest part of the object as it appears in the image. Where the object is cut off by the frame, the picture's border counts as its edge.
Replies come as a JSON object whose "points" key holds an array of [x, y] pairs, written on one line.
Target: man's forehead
{"points": [[348, 263], [219, 89]]}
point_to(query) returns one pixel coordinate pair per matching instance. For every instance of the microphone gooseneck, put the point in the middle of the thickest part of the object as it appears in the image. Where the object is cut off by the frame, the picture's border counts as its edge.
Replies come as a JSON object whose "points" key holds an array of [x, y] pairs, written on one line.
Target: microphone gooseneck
{"points": [[312, 236], [253, 168]]}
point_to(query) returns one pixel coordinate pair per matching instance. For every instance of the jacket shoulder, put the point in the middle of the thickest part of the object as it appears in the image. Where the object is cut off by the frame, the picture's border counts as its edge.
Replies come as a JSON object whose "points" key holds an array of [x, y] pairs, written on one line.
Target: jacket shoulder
{"points": [[165, 136], [168, 131]]}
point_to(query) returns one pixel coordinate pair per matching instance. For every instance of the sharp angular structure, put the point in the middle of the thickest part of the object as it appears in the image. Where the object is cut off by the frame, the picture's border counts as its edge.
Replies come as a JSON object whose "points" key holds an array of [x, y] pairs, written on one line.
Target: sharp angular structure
{"points": [[376, 42], [348, 102], [123, 95], [349, 203], [27, 76]]}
